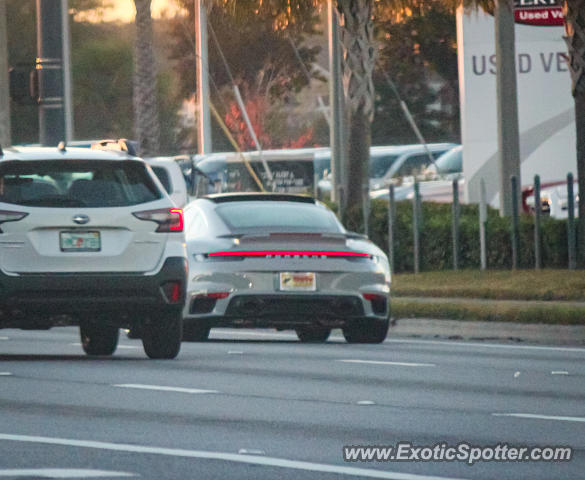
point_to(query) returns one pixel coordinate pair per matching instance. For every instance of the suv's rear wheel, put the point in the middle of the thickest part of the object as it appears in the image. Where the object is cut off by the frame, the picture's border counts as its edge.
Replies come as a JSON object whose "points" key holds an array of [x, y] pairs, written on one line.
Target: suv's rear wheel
{"points": [[313, 335], [366, 331], [99, 339], [193, 332], [161, 337]]}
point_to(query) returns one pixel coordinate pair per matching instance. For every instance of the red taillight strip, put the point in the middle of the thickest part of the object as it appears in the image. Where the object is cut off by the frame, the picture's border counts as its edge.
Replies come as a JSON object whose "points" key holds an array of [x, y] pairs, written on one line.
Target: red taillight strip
{"points": [[177, 227], [264, 253]]}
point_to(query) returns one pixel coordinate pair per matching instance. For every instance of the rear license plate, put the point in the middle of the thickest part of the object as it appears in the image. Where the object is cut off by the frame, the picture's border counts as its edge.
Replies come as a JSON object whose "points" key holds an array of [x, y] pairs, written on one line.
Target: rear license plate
{"points": [[298, 281], [80, 241]]}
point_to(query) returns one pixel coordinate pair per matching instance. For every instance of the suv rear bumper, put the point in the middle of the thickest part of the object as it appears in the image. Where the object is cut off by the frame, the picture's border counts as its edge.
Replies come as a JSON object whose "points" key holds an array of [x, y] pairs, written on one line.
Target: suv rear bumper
{"points": [[71, 293]]}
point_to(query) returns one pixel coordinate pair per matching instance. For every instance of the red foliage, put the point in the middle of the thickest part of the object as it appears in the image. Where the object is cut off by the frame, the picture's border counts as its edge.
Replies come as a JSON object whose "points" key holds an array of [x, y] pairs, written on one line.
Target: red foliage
{"points": [[257, 109]]}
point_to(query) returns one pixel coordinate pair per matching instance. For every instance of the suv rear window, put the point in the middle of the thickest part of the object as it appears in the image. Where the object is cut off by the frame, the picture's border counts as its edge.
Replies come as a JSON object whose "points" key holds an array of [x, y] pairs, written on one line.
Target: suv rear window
{"points": [[76, 183], [163, 176]]}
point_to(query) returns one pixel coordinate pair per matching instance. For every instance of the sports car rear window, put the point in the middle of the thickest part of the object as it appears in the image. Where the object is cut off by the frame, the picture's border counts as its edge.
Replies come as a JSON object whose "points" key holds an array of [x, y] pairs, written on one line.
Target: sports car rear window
{"points": [[76, 183], [278, 217]]}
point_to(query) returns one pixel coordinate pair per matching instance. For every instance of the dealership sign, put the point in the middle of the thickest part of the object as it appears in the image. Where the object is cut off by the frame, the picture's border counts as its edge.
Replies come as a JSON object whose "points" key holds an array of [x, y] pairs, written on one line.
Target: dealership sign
{"points": [[546, 13], [546, 108]]}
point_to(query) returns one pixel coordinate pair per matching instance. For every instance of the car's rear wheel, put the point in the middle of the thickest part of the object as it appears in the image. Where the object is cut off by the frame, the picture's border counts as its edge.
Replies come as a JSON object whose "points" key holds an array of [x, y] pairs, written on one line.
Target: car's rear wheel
{"points": [[192, 332], [161, 337], [313, 335], [99, 339], [366, 331]]}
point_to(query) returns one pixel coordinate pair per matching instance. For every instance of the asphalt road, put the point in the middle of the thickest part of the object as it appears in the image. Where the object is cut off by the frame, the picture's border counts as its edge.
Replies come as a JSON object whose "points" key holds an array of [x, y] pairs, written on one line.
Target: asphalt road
{"points": [[263, 406]]}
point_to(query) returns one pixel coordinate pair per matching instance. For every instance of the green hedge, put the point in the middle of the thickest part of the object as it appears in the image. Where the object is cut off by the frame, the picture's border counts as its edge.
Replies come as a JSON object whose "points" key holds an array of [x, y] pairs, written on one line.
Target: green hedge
{"points": [[436, 239]]}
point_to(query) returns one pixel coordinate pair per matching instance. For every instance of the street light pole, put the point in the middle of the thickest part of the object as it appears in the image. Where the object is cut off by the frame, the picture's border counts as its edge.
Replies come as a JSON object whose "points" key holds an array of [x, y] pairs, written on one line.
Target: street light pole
{"points": [[204, 140], [4, 81], [336, 104], [67, 80], [49, 66]]}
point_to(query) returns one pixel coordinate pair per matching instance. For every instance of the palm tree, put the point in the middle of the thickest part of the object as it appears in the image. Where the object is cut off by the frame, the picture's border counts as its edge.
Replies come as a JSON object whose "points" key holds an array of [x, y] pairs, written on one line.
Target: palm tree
{"points": [[574, 11], [146, 121], [357, 34]]}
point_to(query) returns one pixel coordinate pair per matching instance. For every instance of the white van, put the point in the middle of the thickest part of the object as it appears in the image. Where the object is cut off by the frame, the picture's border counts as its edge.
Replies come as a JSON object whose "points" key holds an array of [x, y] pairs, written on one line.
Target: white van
{"points": [[170, 175]]}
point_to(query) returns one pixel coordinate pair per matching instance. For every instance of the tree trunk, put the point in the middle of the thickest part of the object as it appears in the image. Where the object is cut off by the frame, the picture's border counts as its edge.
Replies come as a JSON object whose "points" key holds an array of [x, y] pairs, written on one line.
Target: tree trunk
{"points": [[574, 11], [357, 33], [146, 121]]}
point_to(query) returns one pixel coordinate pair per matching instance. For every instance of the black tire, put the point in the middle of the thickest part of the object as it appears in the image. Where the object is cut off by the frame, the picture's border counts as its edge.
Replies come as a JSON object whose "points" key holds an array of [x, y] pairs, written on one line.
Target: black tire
{"points": [[193, 332], [313, 335], [161, 337], [367, 331], [99, 339]]}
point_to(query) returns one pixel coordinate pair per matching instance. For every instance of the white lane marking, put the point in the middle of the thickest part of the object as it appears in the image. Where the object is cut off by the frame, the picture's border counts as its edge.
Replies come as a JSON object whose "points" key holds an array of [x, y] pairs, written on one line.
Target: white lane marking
{"points": [[485, 345], [366, 402], [255, 334], [398, 364], [227, 457], [247, 451], [163, 388], [62, 473], [235, 352], [3, 338], [5, 374], [559, 372], [541, 417], [127, 347]]}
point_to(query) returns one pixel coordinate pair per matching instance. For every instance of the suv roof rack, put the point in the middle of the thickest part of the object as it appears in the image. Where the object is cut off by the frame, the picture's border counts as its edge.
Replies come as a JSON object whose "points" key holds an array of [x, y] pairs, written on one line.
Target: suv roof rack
{"points": [[254, 196], [121, 145]]}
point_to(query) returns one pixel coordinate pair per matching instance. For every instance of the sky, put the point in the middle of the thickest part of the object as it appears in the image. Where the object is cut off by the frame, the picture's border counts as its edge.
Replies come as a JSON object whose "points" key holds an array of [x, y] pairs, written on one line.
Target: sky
{"points": [[123, 10]]}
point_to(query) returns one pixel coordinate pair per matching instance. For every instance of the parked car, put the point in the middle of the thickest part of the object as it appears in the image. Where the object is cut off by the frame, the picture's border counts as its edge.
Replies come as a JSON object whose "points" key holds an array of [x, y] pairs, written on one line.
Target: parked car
{"points": [[554, 199], [435, 184], [89, 237], [396, 161], [171, 176], [447, 165], [282, 261], [440, 191]]}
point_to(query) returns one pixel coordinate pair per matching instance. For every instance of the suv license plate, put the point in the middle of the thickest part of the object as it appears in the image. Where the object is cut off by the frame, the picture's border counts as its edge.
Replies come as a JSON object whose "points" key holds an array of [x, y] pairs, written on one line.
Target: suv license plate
{"points": [[80, 241], [298, 281]]}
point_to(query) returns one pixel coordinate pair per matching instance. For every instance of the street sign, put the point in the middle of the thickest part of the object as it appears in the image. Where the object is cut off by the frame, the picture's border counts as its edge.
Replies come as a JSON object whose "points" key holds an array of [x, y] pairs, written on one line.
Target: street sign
{"points": [[542, 13]]}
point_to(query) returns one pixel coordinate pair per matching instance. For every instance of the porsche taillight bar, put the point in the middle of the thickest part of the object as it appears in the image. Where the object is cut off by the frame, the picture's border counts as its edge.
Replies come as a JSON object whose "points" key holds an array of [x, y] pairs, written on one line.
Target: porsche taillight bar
{"points": [[265, 253]]}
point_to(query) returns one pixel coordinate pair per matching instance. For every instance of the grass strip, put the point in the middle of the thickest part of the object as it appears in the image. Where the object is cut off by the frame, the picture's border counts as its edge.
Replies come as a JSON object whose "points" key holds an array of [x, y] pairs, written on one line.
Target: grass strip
{"points": [[553, 314], [495, 285]]}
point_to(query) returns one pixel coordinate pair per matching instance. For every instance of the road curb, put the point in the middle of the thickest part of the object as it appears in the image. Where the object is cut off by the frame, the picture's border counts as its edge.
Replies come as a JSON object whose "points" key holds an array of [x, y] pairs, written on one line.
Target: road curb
{"points": [[477, 330]]}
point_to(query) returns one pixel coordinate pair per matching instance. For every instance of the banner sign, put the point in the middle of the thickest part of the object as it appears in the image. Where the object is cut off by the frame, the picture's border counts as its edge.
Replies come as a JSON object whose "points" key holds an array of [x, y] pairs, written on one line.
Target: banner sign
{"points": [[544, 13]]}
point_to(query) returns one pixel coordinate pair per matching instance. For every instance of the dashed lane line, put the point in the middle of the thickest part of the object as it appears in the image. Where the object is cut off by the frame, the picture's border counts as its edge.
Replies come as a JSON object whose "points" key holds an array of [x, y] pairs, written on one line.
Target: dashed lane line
{"points": [[541, 417], [62, 473], [380, 362], [163, 388]]}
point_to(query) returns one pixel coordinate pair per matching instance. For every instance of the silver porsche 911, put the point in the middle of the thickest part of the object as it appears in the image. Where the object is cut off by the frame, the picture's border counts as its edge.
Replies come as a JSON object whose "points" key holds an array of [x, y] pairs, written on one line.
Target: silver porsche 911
{"points": [[285, 262]]}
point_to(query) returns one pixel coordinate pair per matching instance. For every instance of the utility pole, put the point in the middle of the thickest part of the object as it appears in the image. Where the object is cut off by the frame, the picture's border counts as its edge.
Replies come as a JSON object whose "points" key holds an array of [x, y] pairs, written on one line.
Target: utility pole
{"points": [[507, 105], [49, 66], [5, 137], [336, 98], [204, 145], [67, 79]]}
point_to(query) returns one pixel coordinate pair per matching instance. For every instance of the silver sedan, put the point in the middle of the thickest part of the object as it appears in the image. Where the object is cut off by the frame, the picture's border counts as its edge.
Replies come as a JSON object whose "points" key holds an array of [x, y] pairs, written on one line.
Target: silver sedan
{"points": [[285, 262]]}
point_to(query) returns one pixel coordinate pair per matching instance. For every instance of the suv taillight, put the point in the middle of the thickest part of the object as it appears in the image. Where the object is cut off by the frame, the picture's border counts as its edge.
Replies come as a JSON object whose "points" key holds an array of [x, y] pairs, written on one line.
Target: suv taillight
{"points": [[169, 220], [8, 216]]}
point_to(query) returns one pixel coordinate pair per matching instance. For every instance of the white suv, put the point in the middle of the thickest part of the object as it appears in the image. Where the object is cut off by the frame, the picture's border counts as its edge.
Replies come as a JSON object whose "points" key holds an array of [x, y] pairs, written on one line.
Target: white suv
{"points": [[90, 238]]}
